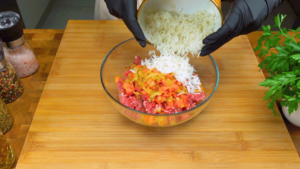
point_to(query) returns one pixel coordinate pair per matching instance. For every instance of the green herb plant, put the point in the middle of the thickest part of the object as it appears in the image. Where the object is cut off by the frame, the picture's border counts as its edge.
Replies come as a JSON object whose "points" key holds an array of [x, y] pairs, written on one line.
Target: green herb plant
{"points": [[283, 65]]}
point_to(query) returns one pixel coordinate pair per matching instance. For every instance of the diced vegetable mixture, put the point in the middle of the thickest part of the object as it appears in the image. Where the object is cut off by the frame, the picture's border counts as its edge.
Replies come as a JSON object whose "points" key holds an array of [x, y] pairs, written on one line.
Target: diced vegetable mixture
{"points": [[153, 92]]}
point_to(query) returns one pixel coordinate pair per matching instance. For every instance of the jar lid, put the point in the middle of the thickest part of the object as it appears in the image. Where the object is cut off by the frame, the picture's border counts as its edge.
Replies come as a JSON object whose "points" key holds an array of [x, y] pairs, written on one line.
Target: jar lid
{"points": [[11, 28]]}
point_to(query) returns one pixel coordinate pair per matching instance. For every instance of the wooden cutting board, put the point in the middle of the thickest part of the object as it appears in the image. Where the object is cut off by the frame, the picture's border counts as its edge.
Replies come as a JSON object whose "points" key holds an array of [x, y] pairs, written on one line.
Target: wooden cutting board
{"points": [[75, 126]]}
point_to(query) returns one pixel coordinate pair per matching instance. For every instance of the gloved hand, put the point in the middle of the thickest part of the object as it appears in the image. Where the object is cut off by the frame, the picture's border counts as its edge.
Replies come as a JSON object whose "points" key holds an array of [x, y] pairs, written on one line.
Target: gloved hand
{"points": [[127, 10], [245, 16]]}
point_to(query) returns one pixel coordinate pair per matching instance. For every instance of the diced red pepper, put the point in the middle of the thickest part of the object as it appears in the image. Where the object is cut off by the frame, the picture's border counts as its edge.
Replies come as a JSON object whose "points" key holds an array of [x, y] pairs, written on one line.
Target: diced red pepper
{"points": [[179, 83], [139, 66], [183, 96], [149, 81], [129, 91], [159, 100], [150, 119], [164, 82], [126, 85], [145, 70], [159, 81], [185, 104], [144, 92], [174, 87], [170, 76], [167, 95], [170, 104], [117, 79], [155, 70], [179, 103], [164, 89]]}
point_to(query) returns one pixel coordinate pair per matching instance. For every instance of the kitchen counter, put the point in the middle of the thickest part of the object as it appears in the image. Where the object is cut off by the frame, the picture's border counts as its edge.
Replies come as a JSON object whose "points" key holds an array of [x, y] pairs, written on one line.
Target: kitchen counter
{"points": [[45, 44]]}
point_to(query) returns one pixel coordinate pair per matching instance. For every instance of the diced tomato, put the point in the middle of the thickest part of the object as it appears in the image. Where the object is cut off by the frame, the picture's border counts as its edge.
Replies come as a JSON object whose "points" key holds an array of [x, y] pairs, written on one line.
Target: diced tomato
{"points": [[150, 119], [117, 79], [149, 82], [167, 95], [174, 87], [170, 104], [185, 104], [144, 92], [159, 100], [129, 91], [164, 82], [153, 87], [126, 85], [164, 89], [145, 70], [179, 103], [170, 76], [155, 70], [159, 81], [183, 96]]}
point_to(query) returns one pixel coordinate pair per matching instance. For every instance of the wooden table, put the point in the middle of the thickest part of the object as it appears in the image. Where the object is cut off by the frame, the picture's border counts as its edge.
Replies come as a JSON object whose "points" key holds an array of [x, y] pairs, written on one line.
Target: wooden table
{"points": [[84, 139]]}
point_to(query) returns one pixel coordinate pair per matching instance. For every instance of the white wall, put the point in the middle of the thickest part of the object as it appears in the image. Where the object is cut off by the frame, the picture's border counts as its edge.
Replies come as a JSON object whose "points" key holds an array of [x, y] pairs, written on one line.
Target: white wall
{"points": [[32, 11]]}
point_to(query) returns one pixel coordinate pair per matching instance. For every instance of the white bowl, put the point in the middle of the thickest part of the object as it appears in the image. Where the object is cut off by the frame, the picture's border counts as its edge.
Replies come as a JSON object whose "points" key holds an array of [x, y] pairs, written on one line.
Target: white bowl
{"points": [[180, 6]]}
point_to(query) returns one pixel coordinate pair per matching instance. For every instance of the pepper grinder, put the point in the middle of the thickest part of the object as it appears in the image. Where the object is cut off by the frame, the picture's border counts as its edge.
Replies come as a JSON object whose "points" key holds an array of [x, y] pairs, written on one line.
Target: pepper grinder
{"points": [[11, 87], [17, 49]]}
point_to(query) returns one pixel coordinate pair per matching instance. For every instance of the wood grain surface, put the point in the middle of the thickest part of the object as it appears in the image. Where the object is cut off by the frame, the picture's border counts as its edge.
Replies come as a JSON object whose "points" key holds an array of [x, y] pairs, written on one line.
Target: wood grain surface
{"points": [[76, 127], [293, 130], [45, 44]]}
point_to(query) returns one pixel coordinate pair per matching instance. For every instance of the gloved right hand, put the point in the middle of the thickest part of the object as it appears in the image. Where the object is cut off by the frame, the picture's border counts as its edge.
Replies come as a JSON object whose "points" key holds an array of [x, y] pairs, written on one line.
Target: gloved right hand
{"points": [[245, 16], [127, 11]]}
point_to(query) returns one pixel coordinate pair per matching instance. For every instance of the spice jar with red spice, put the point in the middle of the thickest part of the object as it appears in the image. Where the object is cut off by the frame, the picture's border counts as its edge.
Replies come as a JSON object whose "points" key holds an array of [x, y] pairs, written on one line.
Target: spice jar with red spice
{"points": [[11, 87]]}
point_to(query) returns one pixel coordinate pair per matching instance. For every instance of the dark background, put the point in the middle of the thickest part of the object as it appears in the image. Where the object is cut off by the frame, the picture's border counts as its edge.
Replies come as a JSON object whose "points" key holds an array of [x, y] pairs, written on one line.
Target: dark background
{"points": [[58, 12]]}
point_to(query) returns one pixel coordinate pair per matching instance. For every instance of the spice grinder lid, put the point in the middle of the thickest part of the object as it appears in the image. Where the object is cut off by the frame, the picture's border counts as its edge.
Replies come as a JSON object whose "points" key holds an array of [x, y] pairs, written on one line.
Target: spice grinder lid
{"points": [[11, 28]]}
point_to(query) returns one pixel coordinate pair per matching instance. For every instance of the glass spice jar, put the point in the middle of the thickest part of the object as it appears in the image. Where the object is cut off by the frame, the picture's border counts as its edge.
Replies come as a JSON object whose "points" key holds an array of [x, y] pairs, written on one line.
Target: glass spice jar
{"points": [[7, 155], [6, 118], [17, 49], [22, 59], [11, 87]]}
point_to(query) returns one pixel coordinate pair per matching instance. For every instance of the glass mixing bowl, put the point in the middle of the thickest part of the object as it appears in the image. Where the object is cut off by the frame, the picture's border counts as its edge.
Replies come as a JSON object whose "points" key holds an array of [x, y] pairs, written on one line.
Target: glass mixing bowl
{"points": [[123, 54]]}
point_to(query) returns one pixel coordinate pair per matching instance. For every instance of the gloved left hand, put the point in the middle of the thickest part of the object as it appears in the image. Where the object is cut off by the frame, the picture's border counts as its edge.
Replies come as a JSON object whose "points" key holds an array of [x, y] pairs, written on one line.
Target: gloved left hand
{"points": [[127, 11]]}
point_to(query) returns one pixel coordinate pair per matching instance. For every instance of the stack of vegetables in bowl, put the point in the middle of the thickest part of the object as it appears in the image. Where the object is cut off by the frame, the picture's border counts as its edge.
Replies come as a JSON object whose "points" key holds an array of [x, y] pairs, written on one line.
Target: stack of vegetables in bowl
{"points": [[149, 90]]}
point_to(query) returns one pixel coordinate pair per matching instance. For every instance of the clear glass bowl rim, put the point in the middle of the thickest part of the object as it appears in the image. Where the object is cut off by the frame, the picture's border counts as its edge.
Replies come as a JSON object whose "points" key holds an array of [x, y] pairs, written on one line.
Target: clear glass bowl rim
{"points": [[101, 71]]}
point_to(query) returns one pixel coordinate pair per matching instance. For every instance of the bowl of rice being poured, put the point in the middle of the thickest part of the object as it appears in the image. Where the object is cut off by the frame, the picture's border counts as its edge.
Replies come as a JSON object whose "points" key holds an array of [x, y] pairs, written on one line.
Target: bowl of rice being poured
{"points": [[179, 26]]}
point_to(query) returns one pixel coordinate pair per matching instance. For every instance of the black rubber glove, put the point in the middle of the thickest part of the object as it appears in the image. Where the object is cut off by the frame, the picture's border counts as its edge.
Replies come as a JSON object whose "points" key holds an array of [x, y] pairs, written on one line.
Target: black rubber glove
{"points": [[245, 16], [127, 10]]}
